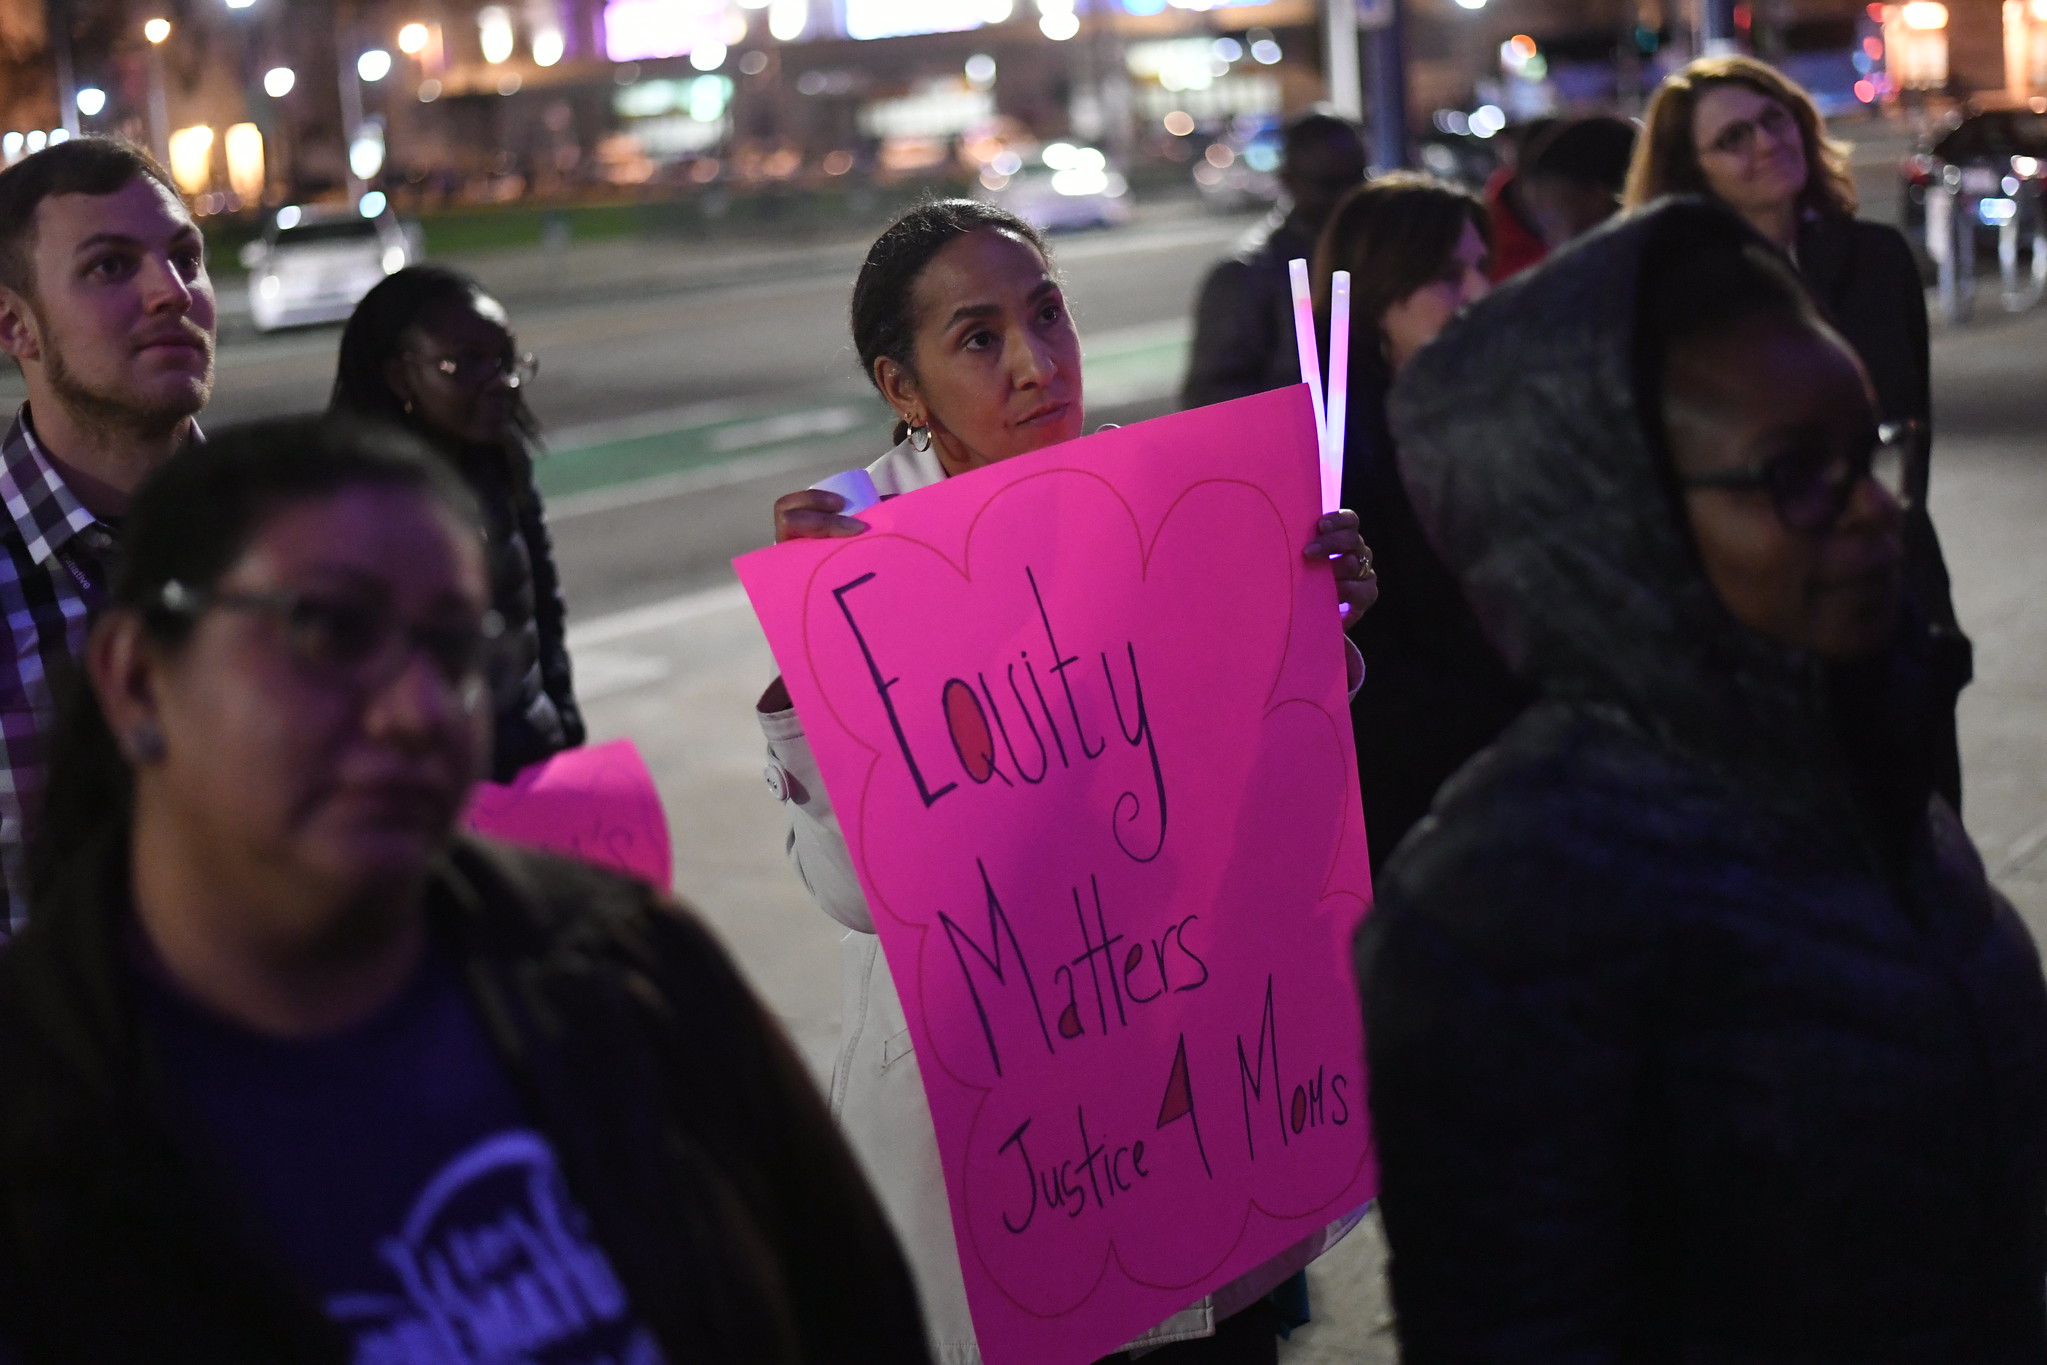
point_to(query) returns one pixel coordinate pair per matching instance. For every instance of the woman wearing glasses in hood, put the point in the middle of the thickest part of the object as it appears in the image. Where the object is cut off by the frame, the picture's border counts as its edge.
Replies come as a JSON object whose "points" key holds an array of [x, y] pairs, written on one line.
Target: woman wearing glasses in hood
{"points": [[1696, 1032], [430, 351], [1739, 131]]}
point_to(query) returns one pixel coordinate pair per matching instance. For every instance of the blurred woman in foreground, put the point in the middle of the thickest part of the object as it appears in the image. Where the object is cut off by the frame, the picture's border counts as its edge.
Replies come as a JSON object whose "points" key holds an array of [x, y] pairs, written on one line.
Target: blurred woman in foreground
{"points": [[961, 325], [290, 1072], [1435, 693], [1695, 1030]]}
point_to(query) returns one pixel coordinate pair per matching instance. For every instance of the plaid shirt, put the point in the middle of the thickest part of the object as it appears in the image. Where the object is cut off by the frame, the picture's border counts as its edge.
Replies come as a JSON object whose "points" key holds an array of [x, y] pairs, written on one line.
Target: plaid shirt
{"points": [[54, 561]]}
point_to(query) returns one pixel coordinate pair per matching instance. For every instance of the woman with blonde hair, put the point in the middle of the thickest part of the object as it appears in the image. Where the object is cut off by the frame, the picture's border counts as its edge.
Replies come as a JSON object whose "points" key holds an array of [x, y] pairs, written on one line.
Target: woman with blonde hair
{"points": [[1739, 131]]}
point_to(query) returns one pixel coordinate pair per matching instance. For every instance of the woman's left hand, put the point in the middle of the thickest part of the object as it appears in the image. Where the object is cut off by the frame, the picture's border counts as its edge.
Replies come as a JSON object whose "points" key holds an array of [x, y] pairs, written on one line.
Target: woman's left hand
{"points": [[1337, 541]]}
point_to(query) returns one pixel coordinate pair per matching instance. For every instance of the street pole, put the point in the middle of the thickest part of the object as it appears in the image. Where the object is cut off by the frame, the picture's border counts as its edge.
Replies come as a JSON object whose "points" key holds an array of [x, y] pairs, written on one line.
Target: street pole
{"points": [[1389, 89], [1716, 32], [57, 15], [1340, 57], [351, 108], [159, 106]]}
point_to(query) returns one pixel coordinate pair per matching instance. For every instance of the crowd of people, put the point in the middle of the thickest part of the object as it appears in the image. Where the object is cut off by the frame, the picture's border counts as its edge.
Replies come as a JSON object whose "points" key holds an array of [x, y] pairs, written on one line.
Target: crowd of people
{"points": [[1695, 1030]]}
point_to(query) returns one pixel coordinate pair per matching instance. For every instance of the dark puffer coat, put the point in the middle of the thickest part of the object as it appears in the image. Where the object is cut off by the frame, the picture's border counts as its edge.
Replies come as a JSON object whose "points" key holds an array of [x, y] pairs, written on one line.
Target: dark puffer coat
{"points": [[1677, 1052]]}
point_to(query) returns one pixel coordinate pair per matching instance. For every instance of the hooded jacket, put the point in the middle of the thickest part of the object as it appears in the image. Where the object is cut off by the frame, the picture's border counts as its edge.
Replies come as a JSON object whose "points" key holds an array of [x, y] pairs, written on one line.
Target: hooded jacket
{"points": [[686, 1129], [1680, 1050]]}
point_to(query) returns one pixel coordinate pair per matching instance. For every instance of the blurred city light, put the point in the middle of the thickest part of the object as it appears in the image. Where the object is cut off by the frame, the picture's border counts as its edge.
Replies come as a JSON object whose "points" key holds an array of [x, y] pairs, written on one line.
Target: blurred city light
{"points": [[366, 153], [429, 91], [288, 217], [37, 140], [1227, 50], [373, 65], [980, 70], [1487, 120], [192, 158], [91, 99], [787, 19], [1924, 15], [1058, 26], [59, 135], [245, 170], [369, 206], [708, 56], [12, 145], [1179, 123], [240, 4], [648, 30], [278, 81], [753, 63], [494, 33], [156, 30], [412, 39], [548, 46]]}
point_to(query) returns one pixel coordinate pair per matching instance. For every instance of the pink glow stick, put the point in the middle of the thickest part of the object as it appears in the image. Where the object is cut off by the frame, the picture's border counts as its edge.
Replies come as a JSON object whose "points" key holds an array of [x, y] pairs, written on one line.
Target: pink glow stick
{"points": [[1304, 338], [1339, 391]]}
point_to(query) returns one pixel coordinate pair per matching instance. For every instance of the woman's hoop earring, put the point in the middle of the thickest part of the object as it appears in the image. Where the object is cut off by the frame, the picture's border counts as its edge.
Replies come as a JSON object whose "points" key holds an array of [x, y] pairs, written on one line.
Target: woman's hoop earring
{"points": [[919, 446]]}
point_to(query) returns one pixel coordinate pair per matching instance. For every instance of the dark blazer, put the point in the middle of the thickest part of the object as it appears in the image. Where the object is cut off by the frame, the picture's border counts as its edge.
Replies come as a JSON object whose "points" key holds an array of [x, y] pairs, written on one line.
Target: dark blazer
{"points": [[1244, 318], [689, 1132]]}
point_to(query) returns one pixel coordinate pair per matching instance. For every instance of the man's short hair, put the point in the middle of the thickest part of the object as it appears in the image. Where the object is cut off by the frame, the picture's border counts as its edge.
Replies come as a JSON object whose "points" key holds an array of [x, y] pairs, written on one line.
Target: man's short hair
{"points": [[82, 165], [1314, 128], [1593, 152]]}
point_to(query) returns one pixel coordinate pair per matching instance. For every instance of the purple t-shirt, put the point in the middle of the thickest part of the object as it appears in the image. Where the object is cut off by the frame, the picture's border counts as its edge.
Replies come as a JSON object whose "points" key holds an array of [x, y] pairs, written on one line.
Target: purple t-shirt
{"points": [[398, 1173]]}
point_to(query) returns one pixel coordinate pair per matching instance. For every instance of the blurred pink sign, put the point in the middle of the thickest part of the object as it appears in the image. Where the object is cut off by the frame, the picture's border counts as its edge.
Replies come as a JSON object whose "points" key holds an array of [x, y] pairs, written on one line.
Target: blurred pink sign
{"points": [[1083, 718], [598, 804]]}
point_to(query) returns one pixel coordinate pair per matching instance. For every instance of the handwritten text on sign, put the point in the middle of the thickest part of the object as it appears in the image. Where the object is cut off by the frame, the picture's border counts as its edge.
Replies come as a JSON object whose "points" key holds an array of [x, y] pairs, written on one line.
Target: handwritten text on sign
{"points": [[1083, 718]]}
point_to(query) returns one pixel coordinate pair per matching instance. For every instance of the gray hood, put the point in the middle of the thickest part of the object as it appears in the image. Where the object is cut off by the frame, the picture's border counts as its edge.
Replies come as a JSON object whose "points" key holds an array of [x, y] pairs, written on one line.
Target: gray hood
{"points": [[1522, 445]]}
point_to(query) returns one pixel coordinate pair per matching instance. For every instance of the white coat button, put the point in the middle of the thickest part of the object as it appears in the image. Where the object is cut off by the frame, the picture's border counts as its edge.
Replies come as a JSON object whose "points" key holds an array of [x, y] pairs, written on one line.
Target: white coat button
{"points": [[778, 781]]}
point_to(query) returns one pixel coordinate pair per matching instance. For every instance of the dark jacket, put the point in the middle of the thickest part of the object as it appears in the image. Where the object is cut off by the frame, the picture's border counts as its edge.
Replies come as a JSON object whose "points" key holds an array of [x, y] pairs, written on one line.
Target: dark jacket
{"points": [[684, 1125], [1695, 1031], [1435, 691], [1244, 318], [534, 693], [1865, 279]]}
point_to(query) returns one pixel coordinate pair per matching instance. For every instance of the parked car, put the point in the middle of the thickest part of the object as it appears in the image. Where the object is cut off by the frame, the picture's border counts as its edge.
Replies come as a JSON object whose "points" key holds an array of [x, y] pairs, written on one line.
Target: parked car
{"points": [[314, 263], [1059, 188], [1996, 159]]}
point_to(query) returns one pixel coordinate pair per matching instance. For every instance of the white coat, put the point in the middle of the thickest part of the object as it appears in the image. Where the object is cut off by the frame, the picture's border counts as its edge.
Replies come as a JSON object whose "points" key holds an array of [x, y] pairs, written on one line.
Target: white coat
{"points": [[877, 1091]]}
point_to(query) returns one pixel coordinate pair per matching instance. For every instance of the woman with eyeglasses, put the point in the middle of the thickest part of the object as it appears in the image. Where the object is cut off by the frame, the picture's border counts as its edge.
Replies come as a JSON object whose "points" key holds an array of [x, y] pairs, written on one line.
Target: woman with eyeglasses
{"points": [[1740, 131], [1695, 1031], [429, 351], [292, 1072], [1435, 693]]}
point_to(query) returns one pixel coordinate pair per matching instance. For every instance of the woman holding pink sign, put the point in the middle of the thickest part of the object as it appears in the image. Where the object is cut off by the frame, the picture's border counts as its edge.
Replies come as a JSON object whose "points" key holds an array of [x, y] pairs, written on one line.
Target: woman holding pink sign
{"points": [[960, 323]]}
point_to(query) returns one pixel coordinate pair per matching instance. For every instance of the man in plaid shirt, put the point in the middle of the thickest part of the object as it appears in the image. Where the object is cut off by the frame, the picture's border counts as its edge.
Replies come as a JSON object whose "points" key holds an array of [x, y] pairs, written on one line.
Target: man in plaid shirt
{"points": [[106, 307]]}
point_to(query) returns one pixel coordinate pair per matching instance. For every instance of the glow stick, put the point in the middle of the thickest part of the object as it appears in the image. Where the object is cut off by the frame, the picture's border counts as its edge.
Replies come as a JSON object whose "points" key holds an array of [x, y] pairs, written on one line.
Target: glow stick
{"points": [[1339, 391], [1304, 339]]}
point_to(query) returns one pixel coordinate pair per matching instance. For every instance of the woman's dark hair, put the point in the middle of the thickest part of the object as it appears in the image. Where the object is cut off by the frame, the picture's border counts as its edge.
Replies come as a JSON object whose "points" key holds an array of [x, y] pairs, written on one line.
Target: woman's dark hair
{"points": [[883, 310], [1393, 235], [190, 523], [375, 334], [1667, 159]]}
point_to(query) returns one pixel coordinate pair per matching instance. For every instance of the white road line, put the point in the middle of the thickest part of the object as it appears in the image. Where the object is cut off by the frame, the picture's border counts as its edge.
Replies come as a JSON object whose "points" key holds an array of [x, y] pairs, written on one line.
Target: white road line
{"points": [[662, 486], [663, 615]]}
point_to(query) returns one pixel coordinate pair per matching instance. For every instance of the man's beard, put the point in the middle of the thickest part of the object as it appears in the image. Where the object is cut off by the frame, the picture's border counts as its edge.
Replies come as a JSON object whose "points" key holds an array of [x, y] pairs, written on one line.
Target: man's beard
{"points": [[111, 409]]}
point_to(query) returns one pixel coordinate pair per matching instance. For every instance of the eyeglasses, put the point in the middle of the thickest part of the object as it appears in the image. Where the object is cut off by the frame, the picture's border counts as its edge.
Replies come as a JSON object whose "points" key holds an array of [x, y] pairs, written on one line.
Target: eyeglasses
{"points": [[475, 371], [1811, 489], [1739, 137], [357, 645]]}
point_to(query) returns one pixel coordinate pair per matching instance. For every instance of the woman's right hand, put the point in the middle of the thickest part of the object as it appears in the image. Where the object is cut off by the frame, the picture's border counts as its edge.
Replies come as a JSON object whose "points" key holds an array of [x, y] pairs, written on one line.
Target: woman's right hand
{"points": [[813, 514]]}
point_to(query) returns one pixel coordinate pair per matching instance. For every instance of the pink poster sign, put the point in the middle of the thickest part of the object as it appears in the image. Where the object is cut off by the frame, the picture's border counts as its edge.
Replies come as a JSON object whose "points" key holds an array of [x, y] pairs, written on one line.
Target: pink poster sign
{"points": [[598, 804], [1083, 717]]}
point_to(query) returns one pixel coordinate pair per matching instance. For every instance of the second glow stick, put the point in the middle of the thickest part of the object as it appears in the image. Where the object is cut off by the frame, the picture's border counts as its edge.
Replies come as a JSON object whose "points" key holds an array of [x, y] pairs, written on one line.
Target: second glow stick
{"points": [[1339, 391], [1311, 360]]}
